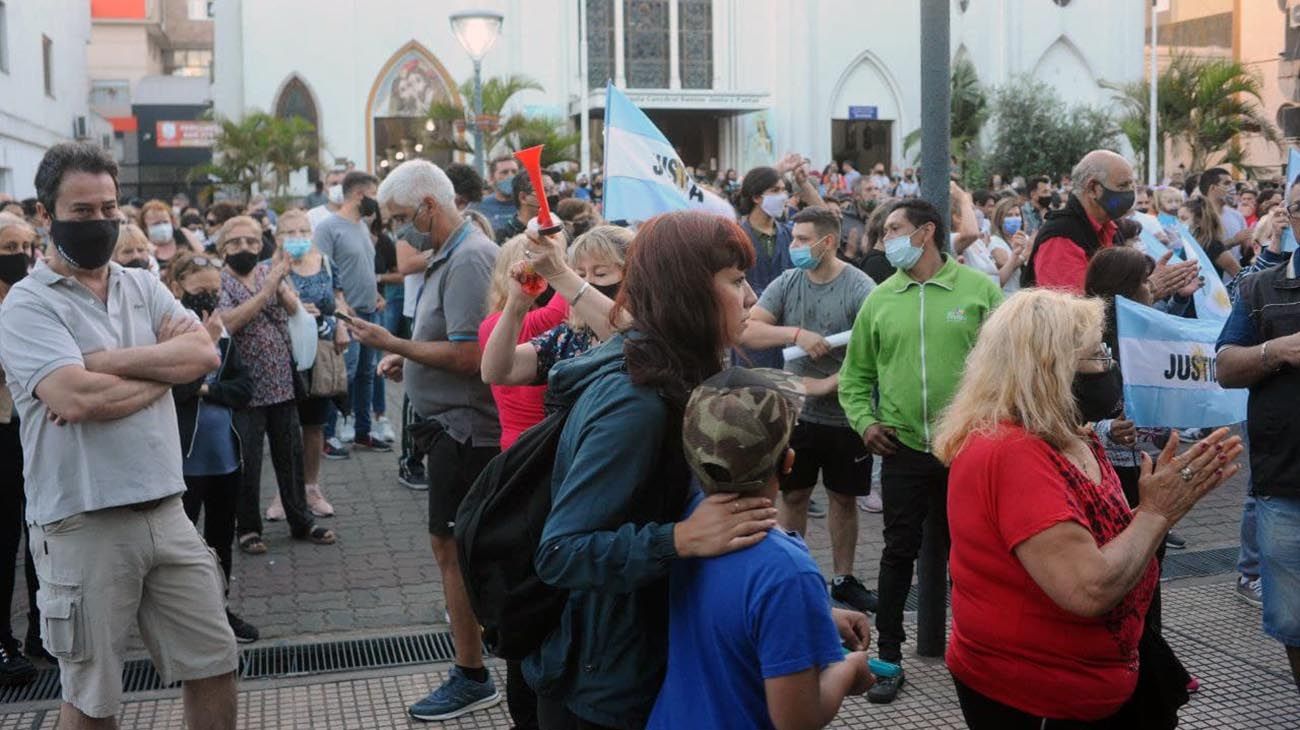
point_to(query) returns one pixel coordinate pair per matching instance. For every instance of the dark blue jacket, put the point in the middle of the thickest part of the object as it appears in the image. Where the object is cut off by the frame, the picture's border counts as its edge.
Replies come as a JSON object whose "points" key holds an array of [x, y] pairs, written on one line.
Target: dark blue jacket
{"points": [[620, 483]]}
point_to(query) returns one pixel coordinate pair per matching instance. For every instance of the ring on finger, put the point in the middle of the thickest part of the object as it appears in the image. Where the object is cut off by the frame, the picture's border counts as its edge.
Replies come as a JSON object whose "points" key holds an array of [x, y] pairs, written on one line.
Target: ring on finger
{"points": [[1186, 473]]}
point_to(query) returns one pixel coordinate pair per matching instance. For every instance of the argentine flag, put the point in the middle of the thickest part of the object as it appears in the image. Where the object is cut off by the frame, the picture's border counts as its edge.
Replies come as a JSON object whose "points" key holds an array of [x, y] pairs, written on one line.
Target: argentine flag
{"points": [[643, 174], [1292, 170], [1168, 365]]}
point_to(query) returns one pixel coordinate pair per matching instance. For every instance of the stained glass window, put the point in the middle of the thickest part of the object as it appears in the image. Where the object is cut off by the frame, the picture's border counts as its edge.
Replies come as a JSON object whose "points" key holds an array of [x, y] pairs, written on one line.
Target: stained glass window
{"points": [[695, 43], [600, 42], [645, 39]]}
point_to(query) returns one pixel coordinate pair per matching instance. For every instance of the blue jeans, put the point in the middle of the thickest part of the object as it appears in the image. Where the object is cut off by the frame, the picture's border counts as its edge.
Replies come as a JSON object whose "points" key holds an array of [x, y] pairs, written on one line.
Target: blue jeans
{"points": [[350, 357], [391, 318], [1279, 563], [361, 382], [1248, 557]]}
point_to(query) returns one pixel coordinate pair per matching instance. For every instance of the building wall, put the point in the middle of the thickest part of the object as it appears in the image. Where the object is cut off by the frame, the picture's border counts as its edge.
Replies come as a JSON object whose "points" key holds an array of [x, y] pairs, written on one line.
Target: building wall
{"points": [[122, 52], [813, 58], [30, 120]]}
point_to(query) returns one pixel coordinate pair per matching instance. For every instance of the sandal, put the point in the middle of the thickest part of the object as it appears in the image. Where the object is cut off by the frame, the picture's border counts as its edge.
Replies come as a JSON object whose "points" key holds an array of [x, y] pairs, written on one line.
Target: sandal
{"points": [[319, 536], [252, 544]]}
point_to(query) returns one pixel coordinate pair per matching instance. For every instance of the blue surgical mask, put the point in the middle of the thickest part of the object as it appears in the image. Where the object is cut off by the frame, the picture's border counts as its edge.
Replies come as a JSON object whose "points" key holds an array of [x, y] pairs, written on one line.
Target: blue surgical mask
{"points": [[1010, 226], [901, 253], [802, 257], [507, 186], [297, 247]]}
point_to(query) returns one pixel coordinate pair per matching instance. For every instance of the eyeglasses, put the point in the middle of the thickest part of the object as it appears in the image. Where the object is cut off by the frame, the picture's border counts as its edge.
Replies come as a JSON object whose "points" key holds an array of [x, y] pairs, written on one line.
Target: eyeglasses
{"points": [[1294, 208], [1103, 355]]}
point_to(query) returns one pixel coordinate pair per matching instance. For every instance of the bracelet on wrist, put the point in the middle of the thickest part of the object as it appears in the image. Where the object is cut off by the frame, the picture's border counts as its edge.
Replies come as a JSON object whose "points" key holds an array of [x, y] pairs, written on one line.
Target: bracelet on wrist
{"points": [[581, 290], [797, 331]]}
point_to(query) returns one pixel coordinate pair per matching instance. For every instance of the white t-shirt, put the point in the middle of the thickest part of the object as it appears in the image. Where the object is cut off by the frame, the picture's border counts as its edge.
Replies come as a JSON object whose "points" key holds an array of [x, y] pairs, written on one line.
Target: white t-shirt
{"points": [[1013, 284], [318, 214], [978, 256]]}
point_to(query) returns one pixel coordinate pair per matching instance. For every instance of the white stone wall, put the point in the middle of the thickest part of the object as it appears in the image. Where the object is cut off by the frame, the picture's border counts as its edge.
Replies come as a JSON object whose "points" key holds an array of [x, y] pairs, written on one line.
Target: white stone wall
{"points": [[813, 58], [30, 120]]}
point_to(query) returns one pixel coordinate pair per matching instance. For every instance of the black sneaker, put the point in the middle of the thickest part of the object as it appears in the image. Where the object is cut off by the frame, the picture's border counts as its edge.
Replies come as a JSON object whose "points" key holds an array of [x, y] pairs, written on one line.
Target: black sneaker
{"points": [[34, 649], [370, 443], [245, 633], [885, 689], [15, 670], [413, 478], [849, 590], [1174, 542]]}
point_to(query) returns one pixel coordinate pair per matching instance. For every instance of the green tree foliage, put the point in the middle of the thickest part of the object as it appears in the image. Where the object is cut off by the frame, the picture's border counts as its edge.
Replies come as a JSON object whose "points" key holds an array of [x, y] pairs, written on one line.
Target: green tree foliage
{"points": [[969, 104], [1037, 134], [1206, 105], [258, 150]]}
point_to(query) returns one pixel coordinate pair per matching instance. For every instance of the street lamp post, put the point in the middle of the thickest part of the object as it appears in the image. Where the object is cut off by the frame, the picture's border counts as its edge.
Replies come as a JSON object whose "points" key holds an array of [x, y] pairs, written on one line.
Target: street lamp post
{"points": [[477, 31]]}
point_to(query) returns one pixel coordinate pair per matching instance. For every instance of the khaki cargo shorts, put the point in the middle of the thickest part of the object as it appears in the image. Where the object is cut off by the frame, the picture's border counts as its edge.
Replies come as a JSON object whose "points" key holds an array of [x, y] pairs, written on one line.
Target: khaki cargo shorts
{"points": [[102, 573]]}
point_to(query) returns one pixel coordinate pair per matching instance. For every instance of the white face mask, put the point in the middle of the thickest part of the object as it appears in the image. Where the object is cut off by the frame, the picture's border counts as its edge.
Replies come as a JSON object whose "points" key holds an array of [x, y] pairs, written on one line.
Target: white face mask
{"points": [[336, 194], [774, 204], [160, 233]]}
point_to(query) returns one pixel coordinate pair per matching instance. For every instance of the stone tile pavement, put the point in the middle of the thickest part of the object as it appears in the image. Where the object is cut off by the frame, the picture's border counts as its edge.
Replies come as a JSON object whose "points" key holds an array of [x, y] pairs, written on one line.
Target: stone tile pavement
{"points": [[1246, 684], [380, 578]]}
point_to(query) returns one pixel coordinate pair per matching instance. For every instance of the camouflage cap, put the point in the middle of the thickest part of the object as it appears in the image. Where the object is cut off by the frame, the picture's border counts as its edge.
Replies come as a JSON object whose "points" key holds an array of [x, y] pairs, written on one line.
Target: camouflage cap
{"points": [[737, 427]]}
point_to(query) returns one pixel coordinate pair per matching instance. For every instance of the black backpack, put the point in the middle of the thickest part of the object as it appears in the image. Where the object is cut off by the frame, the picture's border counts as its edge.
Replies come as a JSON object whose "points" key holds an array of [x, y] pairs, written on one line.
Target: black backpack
{"points": [[498, 528]]}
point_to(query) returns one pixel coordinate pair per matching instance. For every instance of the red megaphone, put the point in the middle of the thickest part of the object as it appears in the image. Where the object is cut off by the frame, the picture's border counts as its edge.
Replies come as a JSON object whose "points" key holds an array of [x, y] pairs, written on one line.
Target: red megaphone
{"points": [[531, 159]]}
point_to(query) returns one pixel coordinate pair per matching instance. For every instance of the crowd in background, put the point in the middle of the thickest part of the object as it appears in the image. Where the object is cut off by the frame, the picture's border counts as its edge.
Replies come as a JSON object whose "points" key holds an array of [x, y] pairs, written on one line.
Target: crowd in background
{"points": [[424, 278]]}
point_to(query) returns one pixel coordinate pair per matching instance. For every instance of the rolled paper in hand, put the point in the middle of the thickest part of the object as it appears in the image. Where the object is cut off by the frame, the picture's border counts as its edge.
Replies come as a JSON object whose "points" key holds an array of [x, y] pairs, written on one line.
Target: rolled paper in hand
{"points": [[839, 339], [531, 159]]}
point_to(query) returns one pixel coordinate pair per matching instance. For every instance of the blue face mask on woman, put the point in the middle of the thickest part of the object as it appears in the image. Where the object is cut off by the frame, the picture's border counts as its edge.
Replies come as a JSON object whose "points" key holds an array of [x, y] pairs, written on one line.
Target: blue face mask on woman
{"points": [[1010, 226], [297, 247]]}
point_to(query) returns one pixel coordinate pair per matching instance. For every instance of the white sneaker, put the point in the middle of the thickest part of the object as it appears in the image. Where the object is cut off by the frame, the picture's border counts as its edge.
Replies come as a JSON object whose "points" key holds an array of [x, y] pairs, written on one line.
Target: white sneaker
{"points": [[1250, 591], [382, 429], [347, 432], [871, 503]]}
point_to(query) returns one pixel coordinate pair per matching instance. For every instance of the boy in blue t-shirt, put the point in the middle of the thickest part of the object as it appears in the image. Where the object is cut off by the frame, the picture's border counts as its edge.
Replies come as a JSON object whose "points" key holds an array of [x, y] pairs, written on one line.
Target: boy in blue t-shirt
{"points": [[752, 640]]}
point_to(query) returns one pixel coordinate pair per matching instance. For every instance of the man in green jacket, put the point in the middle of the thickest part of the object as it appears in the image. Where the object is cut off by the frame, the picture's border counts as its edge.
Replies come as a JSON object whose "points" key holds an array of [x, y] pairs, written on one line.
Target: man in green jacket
{"points": [[903, 364]]}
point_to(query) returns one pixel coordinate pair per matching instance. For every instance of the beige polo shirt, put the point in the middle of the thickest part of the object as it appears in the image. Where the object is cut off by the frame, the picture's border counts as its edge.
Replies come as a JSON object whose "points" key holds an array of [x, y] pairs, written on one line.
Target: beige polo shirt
{"points": [[46, 322]]}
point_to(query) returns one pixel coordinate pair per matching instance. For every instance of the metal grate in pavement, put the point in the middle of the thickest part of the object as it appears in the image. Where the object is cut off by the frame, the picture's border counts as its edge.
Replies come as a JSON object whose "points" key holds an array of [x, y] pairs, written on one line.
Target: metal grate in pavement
{"points": [[1199, 563], [266, 662]]}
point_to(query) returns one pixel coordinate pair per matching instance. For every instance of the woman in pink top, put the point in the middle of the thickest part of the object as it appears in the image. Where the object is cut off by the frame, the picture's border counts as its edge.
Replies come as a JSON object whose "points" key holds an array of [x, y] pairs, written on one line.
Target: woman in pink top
{"points": [[519, 407]]}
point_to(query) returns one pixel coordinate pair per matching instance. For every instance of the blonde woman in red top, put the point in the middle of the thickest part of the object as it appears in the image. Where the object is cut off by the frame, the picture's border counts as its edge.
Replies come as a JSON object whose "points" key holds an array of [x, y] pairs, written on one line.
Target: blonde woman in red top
{"points": [[1052, 572]]}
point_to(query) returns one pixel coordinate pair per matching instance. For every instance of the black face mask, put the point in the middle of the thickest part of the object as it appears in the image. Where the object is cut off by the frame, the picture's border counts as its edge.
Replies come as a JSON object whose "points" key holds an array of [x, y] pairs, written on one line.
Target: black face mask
{"points": [[1099, 395], [369, 207], [242, 263], [136, 264], [552, 201], [13, 268], [609, 290], [1044, 201], [87, 245], [1116, 202], [203, 303]]}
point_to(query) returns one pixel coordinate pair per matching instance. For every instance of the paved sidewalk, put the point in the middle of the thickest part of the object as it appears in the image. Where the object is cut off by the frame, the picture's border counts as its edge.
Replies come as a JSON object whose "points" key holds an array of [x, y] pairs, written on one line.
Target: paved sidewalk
{"points": [[1245, 679], [380, 579]]}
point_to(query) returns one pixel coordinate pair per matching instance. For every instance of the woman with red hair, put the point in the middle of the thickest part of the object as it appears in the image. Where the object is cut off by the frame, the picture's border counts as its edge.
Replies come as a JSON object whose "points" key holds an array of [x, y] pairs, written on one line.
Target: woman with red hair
{"points": [[621, 483]]}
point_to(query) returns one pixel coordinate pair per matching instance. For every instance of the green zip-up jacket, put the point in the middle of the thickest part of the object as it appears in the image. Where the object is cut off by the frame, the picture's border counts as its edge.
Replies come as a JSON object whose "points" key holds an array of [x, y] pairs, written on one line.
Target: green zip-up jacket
{"points": [[910, 340]]}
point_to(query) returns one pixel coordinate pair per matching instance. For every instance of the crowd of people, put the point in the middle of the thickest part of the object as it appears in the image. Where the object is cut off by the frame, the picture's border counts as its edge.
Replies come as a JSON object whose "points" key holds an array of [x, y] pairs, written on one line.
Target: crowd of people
{"points": [[153, 351]]}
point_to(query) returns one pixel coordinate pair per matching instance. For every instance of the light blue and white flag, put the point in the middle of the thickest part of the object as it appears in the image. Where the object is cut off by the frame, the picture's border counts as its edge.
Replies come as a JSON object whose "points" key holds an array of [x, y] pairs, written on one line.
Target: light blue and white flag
{"points": [[1212, 300], [1168, 364], [1292, 170], [643, 174]]}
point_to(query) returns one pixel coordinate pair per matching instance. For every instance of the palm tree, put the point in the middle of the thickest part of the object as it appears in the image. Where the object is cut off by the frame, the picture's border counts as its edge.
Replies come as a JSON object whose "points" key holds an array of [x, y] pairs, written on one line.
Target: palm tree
{"points": [[256, 149], [1204, 104], [497, 92], [969, 110]]}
